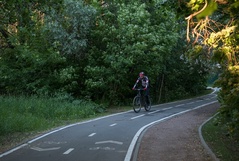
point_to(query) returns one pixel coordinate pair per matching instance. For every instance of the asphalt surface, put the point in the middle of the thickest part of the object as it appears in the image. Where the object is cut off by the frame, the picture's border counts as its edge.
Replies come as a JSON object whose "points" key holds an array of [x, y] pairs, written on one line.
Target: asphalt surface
{"points": [[110, 138]]}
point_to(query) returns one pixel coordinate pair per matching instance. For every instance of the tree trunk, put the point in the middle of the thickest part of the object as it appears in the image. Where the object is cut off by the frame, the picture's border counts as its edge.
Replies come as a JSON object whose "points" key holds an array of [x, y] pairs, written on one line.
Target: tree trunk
{"points": [[161, 88]]}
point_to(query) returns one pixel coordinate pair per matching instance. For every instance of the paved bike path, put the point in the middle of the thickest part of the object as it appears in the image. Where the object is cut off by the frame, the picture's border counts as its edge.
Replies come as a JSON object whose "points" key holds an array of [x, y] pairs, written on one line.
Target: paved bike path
{"points": [[177, 138], [108, 138]]}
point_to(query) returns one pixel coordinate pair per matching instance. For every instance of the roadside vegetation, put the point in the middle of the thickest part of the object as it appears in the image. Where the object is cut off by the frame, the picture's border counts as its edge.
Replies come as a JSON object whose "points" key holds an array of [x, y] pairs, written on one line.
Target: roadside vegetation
{"points": [[24, 117], [26, 114], [224, 145], [61, 52]]}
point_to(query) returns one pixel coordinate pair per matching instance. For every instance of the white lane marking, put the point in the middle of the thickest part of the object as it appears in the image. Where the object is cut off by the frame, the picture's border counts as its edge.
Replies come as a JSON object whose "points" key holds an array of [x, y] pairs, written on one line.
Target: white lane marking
{"points": [[190, 103], [101, 148], [137, 135], [167, 108], [199, 100], [68, 151], [10, 151], [45, 149], [154, 112], [137, 117], [113, 124], [179, 105], [91, 135], [109, 141], [160, 110]]}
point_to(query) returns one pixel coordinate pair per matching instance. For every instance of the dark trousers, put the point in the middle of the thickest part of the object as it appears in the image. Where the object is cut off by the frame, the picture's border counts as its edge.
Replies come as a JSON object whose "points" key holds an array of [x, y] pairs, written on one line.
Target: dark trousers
{"points": [[146, 95]]}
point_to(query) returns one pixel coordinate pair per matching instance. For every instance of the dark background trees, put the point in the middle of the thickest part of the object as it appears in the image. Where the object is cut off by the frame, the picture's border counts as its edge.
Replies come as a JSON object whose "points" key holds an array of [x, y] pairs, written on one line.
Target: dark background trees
{"points": [[95, 50]]}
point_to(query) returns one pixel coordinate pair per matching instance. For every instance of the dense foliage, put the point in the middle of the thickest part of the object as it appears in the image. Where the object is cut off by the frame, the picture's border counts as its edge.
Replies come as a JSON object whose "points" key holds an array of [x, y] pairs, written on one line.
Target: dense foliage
{"points": [[216, 29], [94, 50]]}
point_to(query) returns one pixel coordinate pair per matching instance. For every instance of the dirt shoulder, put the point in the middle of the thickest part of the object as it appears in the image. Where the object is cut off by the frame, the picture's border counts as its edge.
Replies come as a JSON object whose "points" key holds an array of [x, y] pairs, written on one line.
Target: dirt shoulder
{"points": [[177, 139]]}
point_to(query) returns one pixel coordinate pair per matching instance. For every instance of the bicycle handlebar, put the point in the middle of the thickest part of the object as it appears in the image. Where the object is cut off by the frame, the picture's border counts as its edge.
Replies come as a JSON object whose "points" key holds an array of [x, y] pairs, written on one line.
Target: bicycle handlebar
{"points": [[138, 89]]}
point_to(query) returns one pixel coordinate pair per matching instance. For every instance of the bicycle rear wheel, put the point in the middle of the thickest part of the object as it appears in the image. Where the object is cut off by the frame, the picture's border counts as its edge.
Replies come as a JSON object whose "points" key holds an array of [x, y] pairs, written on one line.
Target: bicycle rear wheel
{"points": [[148, 106], [136, 104]]}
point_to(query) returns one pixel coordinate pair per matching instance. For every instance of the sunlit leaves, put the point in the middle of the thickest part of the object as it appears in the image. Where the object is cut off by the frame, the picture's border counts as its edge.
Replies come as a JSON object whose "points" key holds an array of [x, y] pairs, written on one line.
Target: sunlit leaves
{"points": [[195, 5], [210, 8], [222, 38]]}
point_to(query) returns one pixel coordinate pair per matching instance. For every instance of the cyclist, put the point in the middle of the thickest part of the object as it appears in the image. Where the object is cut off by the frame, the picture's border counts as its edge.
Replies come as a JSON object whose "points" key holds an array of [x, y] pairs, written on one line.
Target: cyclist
{"points": [[144, 81]]}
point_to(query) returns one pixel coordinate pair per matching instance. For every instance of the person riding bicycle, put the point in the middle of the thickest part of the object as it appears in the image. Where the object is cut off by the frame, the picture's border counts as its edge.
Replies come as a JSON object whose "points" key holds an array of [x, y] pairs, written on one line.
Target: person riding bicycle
{"points": [[144, 84]]}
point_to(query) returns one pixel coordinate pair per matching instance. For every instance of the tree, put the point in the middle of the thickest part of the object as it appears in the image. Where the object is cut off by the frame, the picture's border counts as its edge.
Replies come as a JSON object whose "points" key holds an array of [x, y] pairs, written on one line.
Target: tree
{"points": [[30, 61], [130, 37], [217, 30], [69, 29]]}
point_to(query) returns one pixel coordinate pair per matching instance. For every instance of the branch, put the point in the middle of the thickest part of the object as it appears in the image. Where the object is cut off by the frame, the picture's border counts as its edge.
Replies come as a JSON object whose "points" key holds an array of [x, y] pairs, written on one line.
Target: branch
{"points": [[5, 34], [191, 16]]}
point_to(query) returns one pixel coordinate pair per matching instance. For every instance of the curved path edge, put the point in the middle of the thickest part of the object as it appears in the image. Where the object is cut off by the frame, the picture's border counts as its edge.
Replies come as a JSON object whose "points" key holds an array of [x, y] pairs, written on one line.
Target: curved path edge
{"points": [[209, 150], [132, 153]]}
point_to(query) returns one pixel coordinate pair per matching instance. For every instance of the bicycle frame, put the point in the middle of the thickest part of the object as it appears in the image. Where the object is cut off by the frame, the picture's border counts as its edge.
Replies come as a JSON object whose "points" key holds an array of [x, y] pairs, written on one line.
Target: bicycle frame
{"points": [[139, 101], [142, 98]]}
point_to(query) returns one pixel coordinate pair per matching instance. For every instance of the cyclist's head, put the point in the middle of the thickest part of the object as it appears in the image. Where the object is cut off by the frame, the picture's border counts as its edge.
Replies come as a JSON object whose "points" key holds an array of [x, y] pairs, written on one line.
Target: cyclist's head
{"points": [[141, 74]]}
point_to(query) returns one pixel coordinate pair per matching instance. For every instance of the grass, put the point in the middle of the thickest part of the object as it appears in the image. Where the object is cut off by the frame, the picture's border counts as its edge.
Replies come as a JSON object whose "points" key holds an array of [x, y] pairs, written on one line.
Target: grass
{"points": [[224, 146], [23, 117]]}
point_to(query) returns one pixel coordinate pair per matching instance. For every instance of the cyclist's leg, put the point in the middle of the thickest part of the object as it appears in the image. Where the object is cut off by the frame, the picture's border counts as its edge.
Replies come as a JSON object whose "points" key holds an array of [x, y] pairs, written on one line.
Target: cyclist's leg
{"points": [[147, 96]]}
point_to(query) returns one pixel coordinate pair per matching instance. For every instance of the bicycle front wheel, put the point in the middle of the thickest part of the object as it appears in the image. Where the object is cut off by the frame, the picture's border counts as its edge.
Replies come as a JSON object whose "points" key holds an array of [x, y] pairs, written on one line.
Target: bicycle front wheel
{"points": [[136, 104]]}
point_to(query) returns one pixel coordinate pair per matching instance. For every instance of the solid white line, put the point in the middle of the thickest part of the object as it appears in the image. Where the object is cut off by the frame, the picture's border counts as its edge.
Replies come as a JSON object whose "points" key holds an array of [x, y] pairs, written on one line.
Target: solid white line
{"points": [[10, 151], [113, 125], [68, 151], [91, 135], [137, 117], [137, 135]]}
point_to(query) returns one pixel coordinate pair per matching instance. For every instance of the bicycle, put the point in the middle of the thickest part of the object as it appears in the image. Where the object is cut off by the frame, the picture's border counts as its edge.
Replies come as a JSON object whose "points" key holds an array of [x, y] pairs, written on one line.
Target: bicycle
{"points": [[139, 101]]}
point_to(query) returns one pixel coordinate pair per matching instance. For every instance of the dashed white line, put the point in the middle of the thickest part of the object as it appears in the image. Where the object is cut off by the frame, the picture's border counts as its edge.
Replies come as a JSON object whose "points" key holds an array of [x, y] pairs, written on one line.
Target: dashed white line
{"points": [[92, 134], [179, 105], [68, 151], [154, 112], [166, 108], [137, 117], [199, 100], [113, 125], [190, 103]]}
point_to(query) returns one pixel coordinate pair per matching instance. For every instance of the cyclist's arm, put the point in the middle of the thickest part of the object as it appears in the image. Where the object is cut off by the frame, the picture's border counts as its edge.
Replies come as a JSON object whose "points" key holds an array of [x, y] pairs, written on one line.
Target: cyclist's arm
{"points": [[147, 83], [136, 83]]}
